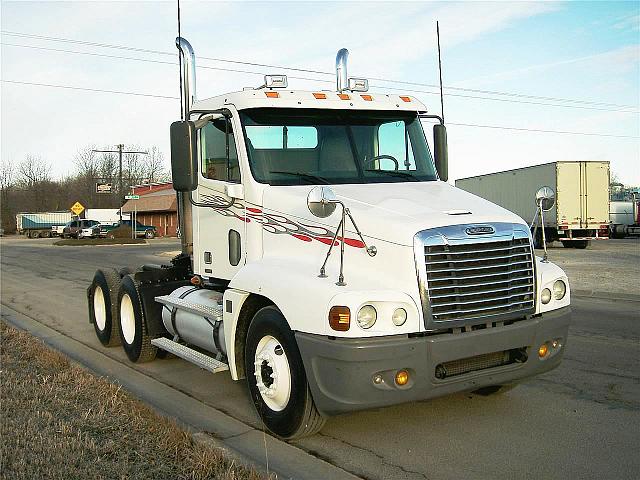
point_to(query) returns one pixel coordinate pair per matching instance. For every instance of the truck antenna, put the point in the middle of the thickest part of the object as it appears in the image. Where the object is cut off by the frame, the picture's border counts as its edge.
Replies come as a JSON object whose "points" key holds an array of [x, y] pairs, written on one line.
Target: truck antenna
{"points": [[439, 71], [180, 66]]}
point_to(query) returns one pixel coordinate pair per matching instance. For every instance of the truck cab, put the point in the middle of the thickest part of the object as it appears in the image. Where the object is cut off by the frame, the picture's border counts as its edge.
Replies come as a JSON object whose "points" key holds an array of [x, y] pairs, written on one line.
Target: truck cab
{"points": [[327, 260]]}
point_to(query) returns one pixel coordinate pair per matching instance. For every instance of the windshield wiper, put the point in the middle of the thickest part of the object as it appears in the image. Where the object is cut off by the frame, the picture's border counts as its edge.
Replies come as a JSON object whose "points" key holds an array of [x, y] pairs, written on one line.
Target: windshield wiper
{"points": [[306, 176], [396, 173]]}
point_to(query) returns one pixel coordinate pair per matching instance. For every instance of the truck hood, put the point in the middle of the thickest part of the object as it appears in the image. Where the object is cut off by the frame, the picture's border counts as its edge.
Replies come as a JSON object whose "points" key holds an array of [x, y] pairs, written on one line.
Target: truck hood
{"points": [[392, 212]]}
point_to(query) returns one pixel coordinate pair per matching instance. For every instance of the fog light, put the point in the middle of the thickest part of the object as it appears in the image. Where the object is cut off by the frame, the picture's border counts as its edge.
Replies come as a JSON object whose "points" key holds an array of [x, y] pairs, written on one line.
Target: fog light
{"points": [[367, 316], [402, 377], [399, 317], [545, 296], [543, 350], [559, 289]]}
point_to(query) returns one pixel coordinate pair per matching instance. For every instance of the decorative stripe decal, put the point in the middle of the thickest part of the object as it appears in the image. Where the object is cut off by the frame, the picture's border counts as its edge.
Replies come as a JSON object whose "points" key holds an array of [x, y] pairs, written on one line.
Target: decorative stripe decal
{"points": [[278, 224]]}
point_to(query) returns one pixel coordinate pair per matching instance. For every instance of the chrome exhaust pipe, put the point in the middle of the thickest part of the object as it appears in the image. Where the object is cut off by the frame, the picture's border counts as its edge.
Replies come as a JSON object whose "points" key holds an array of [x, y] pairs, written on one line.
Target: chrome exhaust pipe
{"points": [[341, 70], [188, 68]]}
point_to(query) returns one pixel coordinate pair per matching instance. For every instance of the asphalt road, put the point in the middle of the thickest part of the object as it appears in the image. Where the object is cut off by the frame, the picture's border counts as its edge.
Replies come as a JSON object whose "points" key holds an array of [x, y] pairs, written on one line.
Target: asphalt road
{"points": [[581, 420]]}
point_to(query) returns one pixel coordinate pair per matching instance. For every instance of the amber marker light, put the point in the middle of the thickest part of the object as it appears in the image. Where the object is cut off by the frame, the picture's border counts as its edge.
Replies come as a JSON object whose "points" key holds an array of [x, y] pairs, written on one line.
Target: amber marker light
{"points": [[344, 96], [272, 94], [320, 96], [543, 350], [367, 98], [405, 99], [402, 377], [340, 318]]}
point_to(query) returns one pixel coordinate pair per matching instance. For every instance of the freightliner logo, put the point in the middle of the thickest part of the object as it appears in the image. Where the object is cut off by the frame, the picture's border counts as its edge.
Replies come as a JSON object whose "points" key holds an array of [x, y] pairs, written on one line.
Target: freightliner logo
{"points": [[480, 230]]}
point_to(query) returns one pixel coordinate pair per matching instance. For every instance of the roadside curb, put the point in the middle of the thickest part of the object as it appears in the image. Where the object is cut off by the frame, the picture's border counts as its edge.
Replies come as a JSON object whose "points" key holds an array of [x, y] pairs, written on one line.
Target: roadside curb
{"points": [[631, 297], [242, 442]]}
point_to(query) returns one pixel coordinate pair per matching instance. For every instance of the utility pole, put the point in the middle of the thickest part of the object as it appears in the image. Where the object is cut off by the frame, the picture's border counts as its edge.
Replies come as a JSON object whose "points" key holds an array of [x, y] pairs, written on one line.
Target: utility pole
{"points": [[119, 151]]}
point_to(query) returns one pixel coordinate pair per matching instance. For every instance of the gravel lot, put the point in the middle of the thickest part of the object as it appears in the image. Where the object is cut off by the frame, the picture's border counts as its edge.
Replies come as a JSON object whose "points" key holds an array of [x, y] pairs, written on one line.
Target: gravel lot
{"points": [[606, 266]]}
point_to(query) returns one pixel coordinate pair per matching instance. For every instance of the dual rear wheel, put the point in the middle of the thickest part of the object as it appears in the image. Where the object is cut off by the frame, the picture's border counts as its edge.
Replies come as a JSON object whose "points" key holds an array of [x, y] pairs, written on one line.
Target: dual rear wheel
{"points": [[117, 316]]}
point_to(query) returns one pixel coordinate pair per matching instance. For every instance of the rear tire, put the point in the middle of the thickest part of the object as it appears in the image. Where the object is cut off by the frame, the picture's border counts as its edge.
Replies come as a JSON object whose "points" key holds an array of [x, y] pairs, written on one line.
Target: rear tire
{"points": [[133, 328], [103, 306], [278, 385], [149, 234]]}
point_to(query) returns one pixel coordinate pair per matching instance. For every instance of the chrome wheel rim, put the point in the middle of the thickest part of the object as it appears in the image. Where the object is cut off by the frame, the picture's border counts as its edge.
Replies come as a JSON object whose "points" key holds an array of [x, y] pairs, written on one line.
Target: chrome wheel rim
{"points": [[272, 372]]}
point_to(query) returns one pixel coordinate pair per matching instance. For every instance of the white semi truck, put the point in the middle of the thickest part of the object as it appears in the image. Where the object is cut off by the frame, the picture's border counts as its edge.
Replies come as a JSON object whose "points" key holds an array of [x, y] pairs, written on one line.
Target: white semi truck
{"points": [[326, 260]]}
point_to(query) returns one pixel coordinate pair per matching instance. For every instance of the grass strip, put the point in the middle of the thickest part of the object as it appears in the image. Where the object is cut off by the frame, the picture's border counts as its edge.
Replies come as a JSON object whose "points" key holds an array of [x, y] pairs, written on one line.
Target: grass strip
{"points": [[99, 241], [59, 421]]}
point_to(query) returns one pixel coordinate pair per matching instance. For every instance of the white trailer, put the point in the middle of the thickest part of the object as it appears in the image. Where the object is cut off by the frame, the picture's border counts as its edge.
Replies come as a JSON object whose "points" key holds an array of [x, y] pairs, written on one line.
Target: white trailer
{"points": [[104, 215], [326, 260], [581, 211], [625, 218]]}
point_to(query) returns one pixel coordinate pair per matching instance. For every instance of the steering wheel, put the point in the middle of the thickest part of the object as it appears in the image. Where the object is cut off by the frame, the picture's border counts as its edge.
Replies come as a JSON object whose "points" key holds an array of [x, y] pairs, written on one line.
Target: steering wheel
{"points": [[384, 157]]}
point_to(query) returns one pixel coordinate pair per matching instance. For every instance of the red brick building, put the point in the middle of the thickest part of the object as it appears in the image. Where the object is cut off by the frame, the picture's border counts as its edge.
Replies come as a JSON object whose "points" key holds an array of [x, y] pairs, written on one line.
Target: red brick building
{"points": [[156, 206]]}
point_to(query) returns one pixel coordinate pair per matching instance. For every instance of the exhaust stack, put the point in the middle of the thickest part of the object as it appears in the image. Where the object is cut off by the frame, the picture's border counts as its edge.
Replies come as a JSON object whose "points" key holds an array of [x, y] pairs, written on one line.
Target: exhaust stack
{"points": [[188, 67], [188, 70], [341, 70]]}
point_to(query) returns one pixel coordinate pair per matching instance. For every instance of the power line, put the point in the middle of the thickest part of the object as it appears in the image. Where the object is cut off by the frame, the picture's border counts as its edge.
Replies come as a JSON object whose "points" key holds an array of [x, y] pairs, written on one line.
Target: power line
{"points": [[121, 57], [317, 72], [70, 87], [522, 129], [500, 127]]}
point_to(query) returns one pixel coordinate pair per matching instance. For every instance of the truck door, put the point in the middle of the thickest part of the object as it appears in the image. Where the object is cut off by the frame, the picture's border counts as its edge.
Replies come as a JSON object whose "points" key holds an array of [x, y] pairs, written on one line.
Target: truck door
{"points": [[569, 197], [218, 229], [595, 194]]}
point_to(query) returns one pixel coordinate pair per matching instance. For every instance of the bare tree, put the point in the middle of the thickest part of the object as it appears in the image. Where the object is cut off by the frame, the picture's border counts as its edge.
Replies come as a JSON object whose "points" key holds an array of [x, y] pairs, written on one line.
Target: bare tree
{"points": [[154, 165], [33, 171]]}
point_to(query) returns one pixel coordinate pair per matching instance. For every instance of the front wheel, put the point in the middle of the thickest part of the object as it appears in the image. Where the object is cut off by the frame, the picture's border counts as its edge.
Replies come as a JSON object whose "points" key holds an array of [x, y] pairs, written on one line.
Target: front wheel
{"points": [[149, 234], [276, 377]]}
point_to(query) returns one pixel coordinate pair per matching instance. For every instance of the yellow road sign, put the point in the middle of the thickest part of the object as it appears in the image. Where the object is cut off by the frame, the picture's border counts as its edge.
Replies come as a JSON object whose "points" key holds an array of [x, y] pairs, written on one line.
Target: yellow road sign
{"points": [[77, 208]]}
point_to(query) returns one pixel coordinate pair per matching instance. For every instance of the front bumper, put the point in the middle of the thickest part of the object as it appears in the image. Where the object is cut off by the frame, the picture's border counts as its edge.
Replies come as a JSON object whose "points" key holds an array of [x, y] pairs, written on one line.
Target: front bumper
{"points": [[341, 372]]}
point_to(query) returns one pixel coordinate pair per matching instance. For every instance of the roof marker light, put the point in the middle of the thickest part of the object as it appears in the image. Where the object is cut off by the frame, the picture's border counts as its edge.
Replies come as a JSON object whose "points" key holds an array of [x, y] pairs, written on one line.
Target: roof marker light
{"points": [[272, 94], [405, 99], [344, 96], [320, 96], [367, 98]]}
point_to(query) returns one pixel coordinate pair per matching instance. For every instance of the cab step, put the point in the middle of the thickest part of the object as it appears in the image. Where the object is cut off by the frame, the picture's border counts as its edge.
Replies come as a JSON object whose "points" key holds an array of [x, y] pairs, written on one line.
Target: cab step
{"points": [[190, 355], [212, 312]]}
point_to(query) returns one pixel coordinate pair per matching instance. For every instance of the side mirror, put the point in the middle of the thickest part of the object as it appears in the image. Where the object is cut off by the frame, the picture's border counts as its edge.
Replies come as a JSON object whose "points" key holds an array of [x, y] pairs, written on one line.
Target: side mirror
{"points": [[322, 202], [546, 198], [184, 160], [440, 151]]}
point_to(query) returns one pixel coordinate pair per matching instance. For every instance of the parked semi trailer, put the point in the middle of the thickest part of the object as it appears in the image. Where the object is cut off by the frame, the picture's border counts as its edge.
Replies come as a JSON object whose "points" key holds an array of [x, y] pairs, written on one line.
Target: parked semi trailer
{"points": [[625, 218], [326, 260], [41, 224], [581, 211]]}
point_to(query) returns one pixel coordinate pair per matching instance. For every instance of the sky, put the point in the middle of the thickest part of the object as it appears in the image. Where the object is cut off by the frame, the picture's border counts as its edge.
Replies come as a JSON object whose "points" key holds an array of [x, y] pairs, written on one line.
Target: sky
{"points": [[557, 66]]}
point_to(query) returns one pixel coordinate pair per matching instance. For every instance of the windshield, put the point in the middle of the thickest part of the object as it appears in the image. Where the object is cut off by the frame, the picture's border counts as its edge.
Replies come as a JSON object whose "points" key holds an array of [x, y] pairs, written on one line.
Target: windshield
{"points": [[310, 146]]}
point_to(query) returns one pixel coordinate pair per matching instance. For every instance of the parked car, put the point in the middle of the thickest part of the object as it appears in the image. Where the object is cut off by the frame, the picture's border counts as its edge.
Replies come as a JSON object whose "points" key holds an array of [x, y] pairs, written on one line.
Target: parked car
{"points": [[90, 232], [74, 227], [145, 231]]}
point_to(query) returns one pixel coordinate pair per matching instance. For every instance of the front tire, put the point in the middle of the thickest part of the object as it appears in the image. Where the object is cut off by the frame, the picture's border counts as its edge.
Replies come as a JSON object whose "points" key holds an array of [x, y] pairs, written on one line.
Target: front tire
{"points": [[149, 234], [133, 328], [103, 306], [276, 377]]}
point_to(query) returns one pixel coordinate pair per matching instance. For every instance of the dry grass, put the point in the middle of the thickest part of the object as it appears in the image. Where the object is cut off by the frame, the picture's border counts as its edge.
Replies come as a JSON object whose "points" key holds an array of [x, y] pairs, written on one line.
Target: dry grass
{"points": [[61, 422], [99, 241]]}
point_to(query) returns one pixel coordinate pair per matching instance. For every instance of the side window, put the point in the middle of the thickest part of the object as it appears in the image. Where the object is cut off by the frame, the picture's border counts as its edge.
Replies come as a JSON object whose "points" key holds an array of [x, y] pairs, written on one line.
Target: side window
{"points": [[218, 151], [393, 140]]}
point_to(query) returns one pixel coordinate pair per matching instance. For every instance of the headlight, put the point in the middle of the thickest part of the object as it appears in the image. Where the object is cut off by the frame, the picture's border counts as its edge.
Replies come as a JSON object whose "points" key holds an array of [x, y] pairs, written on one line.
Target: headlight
{"points": [[399, 317], [367, 316], [559, 289], [545, 296]]}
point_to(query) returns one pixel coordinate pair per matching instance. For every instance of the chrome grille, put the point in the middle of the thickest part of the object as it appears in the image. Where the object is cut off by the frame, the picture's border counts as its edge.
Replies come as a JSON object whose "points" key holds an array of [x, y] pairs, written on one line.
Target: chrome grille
{"points": [[479, 279]]}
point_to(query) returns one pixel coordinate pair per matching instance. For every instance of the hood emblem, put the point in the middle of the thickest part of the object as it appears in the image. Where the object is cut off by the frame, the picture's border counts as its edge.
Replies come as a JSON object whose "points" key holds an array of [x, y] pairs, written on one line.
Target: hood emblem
{"points": [[480, 230]]}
